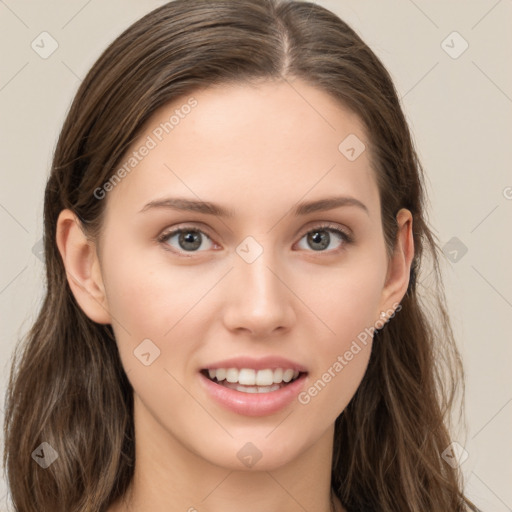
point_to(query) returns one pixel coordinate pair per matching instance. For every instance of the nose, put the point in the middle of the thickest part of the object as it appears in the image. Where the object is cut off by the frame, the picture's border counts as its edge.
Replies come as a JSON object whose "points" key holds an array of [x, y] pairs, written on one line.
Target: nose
{"points": [[260, 300]]}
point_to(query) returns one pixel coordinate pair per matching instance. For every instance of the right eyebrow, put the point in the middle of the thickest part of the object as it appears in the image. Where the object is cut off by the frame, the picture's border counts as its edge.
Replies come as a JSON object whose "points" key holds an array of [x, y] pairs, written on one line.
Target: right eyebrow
{"points": [[178, 203]]}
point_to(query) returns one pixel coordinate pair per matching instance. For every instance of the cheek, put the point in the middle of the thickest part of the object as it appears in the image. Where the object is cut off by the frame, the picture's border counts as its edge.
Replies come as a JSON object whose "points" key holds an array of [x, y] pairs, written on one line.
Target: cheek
{"points": [[149, 296], [346, 299], [151, 305], [347, 304], [148, 299]]}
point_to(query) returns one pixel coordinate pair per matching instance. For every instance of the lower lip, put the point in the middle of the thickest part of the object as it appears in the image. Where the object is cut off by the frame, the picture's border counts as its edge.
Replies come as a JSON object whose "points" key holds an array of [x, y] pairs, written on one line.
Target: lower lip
{"points": [[253, 404]]}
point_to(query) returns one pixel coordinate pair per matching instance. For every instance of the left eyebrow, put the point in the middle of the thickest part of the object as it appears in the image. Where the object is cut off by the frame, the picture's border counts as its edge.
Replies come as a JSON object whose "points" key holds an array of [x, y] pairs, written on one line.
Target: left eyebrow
{"points": [[208, 208], [329, 204]]}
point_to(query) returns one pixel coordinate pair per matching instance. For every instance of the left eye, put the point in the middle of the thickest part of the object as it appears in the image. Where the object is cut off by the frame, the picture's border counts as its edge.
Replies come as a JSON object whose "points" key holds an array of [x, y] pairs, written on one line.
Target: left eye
{"points": [[320, 238]]}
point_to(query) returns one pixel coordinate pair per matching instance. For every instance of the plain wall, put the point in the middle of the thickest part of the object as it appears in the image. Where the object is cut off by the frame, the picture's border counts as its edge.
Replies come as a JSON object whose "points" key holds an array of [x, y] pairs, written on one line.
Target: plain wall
{"points": [[459, 110]]}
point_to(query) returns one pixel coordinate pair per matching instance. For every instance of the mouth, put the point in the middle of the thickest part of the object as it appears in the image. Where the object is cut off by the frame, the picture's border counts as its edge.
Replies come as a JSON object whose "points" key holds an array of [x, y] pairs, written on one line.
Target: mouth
{"points": [[249, 380]]}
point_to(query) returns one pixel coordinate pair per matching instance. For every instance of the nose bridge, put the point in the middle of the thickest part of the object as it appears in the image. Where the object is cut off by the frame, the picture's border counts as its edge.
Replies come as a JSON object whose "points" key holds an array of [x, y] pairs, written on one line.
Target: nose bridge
{"points": [[255, 259], [259, 300]]}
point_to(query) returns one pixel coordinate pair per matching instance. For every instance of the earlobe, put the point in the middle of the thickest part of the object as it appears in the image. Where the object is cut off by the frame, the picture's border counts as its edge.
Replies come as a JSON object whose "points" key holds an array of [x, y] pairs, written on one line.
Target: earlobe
{"points": [[82, 267], [399, 268]]}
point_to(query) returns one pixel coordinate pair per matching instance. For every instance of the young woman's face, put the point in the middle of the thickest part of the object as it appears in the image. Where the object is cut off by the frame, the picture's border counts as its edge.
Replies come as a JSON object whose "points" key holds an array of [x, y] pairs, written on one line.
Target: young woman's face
{"points": [[269, 283]]}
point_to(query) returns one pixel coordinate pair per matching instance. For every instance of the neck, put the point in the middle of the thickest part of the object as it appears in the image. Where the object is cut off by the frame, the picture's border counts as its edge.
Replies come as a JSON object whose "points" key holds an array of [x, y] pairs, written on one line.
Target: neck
{"points": [[168, 477]]}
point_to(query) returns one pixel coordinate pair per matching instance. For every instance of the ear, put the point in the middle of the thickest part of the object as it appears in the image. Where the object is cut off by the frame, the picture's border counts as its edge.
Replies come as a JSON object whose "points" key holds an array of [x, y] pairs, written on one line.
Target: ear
{"points": [[399, 267], [82, 267]]}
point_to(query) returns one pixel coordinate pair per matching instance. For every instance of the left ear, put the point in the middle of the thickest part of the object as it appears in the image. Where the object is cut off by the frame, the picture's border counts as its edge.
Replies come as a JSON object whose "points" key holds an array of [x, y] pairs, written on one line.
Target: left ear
{"points": [[399, 267]]}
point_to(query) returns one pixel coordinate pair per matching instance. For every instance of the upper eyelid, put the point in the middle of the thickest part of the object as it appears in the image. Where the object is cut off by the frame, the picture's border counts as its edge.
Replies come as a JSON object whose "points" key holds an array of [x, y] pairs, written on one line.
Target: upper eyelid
{"points": [[172, 231], [326, 225]]}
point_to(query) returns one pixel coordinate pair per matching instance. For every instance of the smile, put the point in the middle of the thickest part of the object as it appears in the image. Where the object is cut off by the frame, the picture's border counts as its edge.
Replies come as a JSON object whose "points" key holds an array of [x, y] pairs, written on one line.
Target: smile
{"points": [[253, 392], [248, 380]]}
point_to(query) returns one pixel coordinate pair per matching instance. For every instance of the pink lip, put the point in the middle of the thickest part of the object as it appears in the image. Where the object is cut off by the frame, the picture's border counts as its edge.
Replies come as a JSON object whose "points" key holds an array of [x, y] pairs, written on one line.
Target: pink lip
{"points": [[253, 404], [271, 362]]}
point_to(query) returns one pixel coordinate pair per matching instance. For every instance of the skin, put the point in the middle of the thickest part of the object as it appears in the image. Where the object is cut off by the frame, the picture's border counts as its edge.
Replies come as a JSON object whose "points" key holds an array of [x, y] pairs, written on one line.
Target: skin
{"points": [[257, 150]]}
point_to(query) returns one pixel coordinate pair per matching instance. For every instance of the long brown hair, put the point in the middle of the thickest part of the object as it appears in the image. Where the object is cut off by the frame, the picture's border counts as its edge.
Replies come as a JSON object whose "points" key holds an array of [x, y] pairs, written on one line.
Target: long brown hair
{"points": [[67, 385]]}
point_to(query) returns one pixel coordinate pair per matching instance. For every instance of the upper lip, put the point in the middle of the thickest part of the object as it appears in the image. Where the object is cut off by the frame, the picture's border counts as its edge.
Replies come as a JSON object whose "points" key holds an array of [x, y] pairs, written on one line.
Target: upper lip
{"points": [[262, 363]]}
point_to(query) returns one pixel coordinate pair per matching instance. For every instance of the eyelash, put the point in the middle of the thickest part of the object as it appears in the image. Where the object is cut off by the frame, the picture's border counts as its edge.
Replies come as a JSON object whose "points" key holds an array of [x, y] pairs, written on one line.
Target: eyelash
{"points": [[332, 228]]}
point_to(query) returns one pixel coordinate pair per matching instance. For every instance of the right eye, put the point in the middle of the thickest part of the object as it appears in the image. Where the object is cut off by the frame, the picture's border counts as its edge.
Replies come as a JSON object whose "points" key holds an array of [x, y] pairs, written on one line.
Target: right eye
{"points": [[185, 239]]}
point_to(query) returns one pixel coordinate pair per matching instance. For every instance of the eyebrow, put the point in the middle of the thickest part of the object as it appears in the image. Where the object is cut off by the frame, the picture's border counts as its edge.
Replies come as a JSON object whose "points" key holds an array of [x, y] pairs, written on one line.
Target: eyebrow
{"points": [[207, 208]]}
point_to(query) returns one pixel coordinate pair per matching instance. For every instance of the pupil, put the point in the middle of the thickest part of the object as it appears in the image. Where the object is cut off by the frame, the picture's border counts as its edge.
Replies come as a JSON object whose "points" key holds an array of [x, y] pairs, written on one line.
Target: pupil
{"points": [[190, 240], [317, 238]]}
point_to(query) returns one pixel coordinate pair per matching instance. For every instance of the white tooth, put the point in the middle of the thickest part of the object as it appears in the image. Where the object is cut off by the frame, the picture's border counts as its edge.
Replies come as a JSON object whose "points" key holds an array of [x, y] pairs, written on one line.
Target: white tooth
{"points": [[268, 389], [288, 375], [247, 389], [265, 378], [251, 389], [232, 374], [251, 377], [247, 377], [278, 375]]}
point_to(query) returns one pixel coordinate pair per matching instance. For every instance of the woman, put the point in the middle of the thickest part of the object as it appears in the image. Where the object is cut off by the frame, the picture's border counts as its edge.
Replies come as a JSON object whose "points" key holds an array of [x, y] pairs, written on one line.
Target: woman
{"points": [[234, 227]]}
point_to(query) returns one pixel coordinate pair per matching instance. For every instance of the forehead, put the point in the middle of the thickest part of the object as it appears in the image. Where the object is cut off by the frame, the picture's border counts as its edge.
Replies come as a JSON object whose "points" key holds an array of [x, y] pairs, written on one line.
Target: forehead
{"points": [[250, 146]]}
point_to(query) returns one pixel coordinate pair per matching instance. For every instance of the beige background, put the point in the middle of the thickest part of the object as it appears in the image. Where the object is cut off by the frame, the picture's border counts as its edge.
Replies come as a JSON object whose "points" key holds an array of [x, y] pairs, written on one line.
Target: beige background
{"points": [[460, 113]]}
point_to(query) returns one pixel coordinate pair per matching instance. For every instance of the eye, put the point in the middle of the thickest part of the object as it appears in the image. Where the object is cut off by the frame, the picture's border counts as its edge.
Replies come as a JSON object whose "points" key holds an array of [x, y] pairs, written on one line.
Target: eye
{"points": [[320, 237], [188, 239]]}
